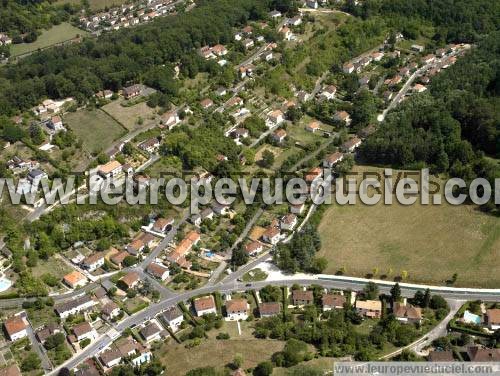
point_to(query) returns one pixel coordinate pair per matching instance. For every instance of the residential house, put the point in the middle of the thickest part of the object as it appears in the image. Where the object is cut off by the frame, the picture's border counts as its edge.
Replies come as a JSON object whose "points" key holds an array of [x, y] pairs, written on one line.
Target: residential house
{"points": [[163, 224], [427, 59], [253, 248], [369, 308], [118, 258], [74, 306], [419, 88], [170, 119], [219, 50], [174, 317], [234, 101], [351, 145], [131, 280], [93, 262], [332, 301], [267, 56], [313, 4], [302, 297], [441, 356], [240, 133], [75, 279], [343, 117], [478, 354], [206, 103], [286, 33], [132, 91], [275, 118], [204, 305], [313, 126], [274, 14], [313, 174], [150, 145], [158, 271], [363, 81], [377, 56], [279, 135], [220, 209], [348, 68], [221, 91], [237, 309], [110, 169], [295, 21], [111, 357], [35, 176], [207, 213], [110, 310], [84, 331], [16, 327], [492, 318], [248, 43], [332, 159], [269, 309], [407, 313], [288, 222], [328, 92], [5, 40], [272, 235], [151, 332], [303, 96], [47, 331], [135, 247], [417, 48], [55, 123], [104, 94]]}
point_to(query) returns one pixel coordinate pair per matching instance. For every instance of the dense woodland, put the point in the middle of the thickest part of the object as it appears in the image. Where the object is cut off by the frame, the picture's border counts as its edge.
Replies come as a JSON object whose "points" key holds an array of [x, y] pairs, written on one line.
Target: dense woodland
{"points": [[22, 20], [454, 127]]}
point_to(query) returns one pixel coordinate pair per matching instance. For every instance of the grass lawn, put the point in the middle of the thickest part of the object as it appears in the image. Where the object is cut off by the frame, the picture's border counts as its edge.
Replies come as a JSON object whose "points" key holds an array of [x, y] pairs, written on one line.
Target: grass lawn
{"points": [[429, 242], [56, 34], [254, 275], [216, 353], [129, 116], [95, 128], [134, 305], [324, 364]]}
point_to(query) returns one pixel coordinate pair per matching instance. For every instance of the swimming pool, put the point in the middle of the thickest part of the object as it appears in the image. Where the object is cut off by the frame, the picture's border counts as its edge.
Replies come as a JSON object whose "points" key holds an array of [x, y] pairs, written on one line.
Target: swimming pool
{"points": [[5, 284]]}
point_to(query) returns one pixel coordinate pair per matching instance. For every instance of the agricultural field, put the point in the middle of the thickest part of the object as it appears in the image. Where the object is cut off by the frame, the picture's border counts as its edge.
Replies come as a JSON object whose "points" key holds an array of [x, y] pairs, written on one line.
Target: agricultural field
{"points": [[133, 117], [390, 241], [95, 128], [57, 34]]}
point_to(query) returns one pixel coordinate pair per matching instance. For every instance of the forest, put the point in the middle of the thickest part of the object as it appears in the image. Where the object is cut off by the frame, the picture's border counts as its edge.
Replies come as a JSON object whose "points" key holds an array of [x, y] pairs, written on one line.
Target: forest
{"points": [[454, 128]]}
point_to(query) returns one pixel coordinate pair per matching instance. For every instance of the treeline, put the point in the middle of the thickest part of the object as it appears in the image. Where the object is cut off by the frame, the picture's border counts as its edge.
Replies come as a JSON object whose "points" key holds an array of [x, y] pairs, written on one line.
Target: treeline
{"points": [[127, 56], [22, 20], [453, 127], [455, 20]]}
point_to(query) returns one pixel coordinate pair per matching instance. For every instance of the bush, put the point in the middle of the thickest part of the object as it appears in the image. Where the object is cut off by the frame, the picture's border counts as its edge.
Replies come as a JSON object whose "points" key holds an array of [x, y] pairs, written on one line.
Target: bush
{"points": [[84, 343], [223, 336]]}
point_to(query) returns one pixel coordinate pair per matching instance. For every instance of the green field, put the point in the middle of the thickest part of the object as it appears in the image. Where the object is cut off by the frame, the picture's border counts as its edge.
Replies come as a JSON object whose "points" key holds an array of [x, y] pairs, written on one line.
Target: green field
{"points": [[57, 34], [216, 353], [429, 242], [129, 116], [95, 128], [95, 4]]}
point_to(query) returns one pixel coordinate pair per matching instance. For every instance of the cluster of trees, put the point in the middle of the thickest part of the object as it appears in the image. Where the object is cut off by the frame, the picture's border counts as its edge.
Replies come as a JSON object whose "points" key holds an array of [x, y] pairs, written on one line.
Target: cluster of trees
{"points": [[299, 253], [451, 128], [22, 20], [127, 56], [455, 20]]}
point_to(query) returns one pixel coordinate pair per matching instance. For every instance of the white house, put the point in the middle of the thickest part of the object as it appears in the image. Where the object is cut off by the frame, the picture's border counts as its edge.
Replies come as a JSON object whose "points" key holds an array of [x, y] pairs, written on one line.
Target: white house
{"points": [[272, 235], [74, 306], [173, 317], [329, 92], [205, 305], [275, 118], [84, 331], [288, 221], [170, 119], [332, 159], [93, 262], [158, 271], [151, 332], [16, 327], [110, 169], [110, 310], [236, 309]]}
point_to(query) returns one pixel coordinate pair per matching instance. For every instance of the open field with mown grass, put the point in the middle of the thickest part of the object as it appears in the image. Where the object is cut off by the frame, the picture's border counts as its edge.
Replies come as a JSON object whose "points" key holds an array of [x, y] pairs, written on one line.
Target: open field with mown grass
{"points": [[216, 353], [56, 34], [130, 117], [428, 242], [95, 128]]}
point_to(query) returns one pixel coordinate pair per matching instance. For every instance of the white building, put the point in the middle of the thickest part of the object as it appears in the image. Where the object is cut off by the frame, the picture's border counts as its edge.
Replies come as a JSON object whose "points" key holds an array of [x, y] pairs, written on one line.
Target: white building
{"points": [[236, 309]]}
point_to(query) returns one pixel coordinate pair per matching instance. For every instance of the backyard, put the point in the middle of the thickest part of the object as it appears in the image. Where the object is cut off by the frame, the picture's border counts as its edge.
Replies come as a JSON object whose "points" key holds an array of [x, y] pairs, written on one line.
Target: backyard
{"points": [[418, 240]]}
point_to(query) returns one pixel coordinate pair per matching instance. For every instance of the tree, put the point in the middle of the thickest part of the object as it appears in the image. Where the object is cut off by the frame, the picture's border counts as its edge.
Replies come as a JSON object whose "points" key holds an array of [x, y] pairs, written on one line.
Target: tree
{"points": [[237, 361], [239, 257], [267, 159], [371, 291], [30, 362], [270, 294], [54, 340], [437, 302], [395, 293], [263, 369], [426, 299]]}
